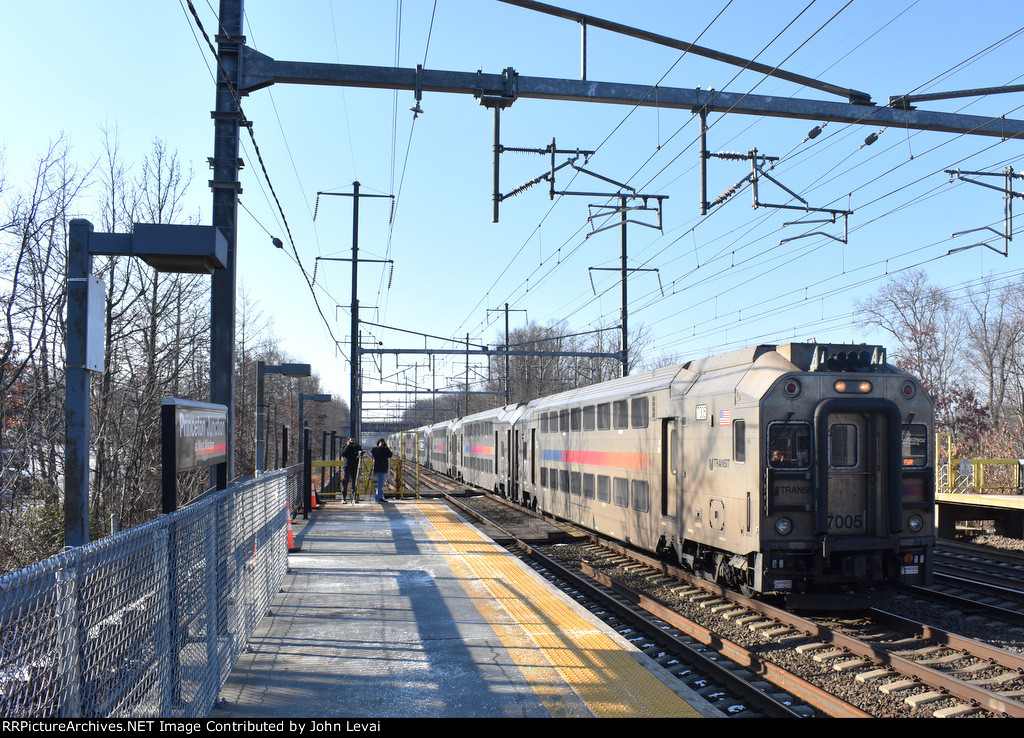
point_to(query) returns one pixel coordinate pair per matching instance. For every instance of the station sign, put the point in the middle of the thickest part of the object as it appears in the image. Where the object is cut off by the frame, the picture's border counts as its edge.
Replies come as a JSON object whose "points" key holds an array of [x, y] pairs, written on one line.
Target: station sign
{"points": [[199, 433], [194, 435]]}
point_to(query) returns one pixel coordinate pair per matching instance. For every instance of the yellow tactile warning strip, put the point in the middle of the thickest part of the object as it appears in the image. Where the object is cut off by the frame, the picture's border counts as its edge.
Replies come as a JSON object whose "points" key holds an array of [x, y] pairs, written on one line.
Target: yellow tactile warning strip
{"points": [[537, 627]]}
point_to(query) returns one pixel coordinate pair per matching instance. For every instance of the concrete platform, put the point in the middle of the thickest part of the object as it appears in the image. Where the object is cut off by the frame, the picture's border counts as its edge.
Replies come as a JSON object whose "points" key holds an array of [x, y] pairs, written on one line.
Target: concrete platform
{"points": [[405, 610]]}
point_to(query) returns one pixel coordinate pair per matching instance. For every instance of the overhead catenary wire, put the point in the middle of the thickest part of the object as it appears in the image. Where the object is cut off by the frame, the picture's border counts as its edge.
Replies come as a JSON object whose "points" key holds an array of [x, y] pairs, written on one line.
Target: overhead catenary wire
{"points": [[935, 147], [544, 273]]}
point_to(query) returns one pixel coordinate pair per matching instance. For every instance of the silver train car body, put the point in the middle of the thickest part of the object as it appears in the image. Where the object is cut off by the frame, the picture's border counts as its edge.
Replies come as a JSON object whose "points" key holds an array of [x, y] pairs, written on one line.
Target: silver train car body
{"points": [[791, 469]]}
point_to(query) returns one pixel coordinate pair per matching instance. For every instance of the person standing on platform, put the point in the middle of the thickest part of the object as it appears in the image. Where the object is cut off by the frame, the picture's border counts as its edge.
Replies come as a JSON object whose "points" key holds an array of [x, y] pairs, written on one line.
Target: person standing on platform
{"points": [[381, 453], [350, 454]]}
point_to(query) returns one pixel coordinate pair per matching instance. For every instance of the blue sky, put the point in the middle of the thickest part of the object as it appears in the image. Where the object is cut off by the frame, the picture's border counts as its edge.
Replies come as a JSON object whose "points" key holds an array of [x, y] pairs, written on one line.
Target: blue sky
{"points": [[74, 66]]}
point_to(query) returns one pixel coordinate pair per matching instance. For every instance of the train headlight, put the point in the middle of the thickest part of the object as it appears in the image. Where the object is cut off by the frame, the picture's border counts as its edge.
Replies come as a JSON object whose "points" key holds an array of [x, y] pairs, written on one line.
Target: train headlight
{"points": [[783, 526], [915, 522], [844, 387], [791, 388]]}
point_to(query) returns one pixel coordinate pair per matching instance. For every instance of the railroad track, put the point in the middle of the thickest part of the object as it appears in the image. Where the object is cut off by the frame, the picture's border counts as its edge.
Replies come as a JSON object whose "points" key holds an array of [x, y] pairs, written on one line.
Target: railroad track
{"points": [[977, 581], [987, 576], [892, 666], [741, 684]]}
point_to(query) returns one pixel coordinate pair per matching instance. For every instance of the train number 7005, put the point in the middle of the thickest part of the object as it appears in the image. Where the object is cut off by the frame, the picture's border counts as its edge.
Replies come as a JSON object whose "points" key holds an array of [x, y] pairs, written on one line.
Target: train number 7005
{"points": [[846, 522]]}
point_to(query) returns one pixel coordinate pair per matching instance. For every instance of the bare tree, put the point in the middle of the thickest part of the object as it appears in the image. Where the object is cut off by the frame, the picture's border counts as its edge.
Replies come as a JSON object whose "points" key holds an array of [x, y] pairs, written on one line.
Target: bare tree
{"points": [[995, 327], [32, 299], [929, 336]]}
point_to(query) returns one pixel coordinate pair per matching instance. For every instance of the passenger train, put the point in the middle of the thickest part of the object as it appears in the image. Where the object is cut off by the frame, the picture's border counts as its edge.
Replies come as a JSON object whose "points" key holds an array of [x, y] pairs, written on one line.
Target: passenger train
{"points": [[796, 470]]}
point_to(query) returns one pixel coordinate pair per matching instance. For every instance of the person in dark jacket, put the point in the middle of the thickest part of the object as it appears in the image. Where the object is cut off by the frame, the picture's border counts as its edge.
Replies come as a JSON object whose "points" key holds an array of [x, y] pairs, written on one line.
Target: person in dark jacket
{"points": [[350, 454], [381, 453]]}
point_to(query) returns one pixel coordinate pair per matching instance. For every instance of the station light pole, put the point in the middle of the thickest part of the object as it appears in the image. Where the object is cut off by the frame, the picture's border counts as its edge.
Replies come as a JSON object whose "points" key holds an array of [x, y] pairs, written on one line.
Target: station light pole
{"points": [[288, 370], [189, 249]]}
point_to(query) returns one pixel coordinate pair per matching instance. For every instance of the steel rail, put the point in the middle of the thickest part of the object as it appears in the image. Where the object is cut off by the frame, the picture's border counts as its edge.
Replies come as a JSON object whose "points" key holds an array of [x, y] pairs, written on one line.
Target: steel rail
{"points": [[963, 690]]}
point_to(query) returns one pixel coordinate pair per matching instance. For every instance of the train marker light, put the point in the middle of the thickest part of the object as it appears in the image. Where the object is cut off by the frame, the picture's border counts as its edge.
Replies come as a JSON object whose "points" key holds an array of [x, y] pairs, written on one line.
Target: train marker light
{"points": [[783, 526], [845, 387]]}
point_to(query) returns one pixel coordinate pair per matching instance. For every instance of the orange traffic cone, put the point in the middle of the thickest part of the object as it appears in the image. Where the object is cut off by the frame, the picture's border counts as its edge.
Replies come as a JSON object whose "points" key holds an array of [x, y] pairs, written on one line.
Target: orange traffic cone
{"points": [[291, 539], [312, 494]]}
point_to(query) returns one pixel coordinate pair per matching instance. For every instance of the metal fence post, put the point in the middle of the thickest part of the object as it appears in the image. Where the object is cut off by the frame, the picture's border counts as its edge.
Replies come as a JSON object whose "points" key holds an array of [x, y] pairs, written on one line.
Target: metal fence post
{"points": [[307, 476], [166, 638]]}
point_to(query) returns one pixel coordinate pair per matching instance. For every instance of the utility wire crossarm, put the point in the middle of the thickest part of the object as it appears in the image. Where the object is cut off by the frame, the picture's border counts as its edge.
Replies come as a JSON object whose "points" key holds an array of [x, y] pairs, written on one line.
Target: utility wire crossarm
{"points": [[260, 71]]}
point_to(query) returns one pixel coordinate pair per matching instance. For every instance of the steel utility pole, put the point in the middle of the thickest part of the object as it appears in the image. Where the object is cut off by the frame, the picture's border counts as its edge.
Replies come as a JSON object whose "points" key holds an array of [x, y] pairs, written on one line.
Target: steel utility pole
{"points": [[624, 309], [508, 376], [227, 119], [355, 400]]}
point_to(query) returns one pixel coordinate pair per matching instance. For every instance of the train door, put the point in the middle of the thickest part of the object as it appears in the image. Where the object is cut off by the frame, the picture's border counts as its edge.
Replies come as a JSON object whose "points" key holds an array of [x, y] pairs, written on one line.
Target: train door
{"points": [[854, 471], [513, 464], [669, 467], [533, 457]]}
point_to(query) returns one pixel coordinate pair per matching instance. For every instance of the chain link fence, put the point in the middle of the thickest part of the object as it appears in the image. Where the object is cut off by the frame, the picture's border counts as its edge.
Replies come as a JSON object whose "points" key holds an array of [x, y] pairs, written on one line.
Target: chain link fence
{"points": [[148, 622]]}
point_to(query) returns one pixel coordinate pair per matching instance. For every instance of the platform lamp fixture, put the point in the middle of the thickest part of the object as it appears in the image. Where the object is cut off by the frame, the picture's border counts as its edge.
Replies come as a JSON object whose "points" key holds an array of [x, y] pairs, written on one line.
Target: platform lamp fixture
{"points": [[189, 249], [288, 370], [312, 398]]}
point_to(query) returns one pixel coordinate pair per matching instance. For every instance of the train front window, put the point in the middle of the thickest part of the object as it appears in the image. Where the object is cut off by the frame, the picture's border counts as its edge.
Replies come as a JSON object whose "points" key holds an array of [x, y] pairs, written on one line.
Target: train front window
{"points": [[789, 445], [842, 445], [915, 445]]}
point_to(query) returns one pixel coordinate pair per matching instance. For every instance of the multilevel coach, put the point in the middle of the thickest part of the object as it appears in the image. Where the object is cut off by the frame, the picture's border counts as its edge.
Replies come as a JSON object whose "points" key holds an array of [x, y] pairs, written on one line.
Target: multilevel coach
{"points": [[798, 469]]}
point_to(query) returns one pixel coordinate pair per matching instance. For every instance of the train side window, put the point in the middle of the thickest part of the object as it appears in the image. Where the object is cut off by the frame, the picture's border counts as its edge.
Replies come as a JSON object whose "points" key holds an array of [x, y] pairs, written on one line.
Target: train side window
{"points": [[575, 421], [638, 412], [620, 492], [575, 483], [563, 421], [589, 418], [842, 445], [604, 416], [640, 500], [915, 445], [563, 479], [543, 476], [620, 414], [543, 422], [673, 452], [789, 445], [588, 486], [604, 489], [739, 441]]}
